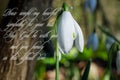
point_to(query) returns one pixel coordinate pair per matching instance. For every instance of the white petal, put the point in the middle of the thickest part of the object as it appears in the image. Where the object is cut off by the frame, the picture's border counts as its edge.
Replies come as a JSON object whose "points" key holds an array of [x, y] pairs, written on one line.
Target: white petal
{"points": [[79, 41], [65, 32]]}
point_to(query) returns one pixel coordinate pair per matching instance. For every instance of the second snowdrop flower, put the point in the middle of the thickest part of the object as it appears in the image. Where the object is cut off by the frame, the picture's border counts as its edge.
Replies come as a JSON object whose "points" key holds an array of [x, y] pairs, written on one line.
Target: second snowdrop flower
{"points": [[91, 5], [69, 32], [93, 41]]}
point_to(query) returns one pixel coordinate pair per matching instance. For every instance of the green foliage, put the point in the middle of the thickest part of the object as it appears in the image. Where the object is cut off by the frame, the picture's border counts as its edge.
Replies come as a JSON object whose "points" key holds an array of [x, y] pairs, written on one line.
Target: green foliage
{"points": [[86, 72], [69, 61], [40, 70]]}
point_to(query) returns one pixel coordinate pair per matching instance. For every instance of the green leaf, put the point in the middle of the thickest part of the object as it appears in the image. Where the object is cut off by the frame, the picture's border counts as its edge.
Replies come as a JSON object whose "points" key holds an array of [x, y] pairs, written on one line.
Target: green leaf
{"points": [[87, 54], [40, 70], [111, 55], [87, 69], [49, 61]]}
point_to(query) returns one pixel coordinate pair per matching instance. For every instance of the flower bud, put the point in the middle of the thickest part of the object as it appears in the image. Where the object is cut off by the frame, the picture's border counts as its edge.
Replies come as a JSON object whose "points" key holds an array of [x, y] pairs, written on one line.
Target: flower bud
{"points": [[91, 4], [93, 41]]}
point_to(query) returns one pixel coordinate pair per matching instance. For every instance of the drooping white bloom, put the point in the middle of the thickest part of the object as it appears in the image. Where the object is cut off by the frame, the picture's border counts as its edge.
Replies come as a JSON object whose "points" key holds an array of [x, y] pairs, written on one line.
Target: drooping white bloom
{"points": [[69, 32], [118, 61]]}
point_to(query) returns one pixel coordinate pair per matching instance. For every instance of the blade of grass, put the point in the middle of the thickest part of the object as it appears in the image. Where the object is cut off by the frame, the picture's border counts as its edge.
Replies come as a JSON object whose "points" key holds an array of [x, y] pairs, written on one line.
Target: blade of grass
{"points": [[86, 72]]}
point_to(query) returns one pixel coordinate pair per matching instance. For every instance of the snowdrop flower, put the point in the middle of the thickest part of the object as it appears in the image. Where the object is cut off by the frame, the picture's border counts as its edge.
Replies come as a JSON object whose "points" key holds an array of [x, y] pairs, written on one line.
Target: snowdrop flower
{"points": [[118, 61], [69, 32], [93, 41], [91, 4], [109, 42]]}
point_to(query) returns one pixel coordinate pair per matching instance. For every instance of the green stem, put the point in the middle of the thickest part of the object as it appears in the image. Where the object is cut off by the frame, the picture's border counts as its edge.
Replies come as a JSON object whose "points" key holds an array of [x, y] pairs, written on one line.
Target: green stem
{"points": [[57, 62], [66, 8], [108, 33], [57, 50]]}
